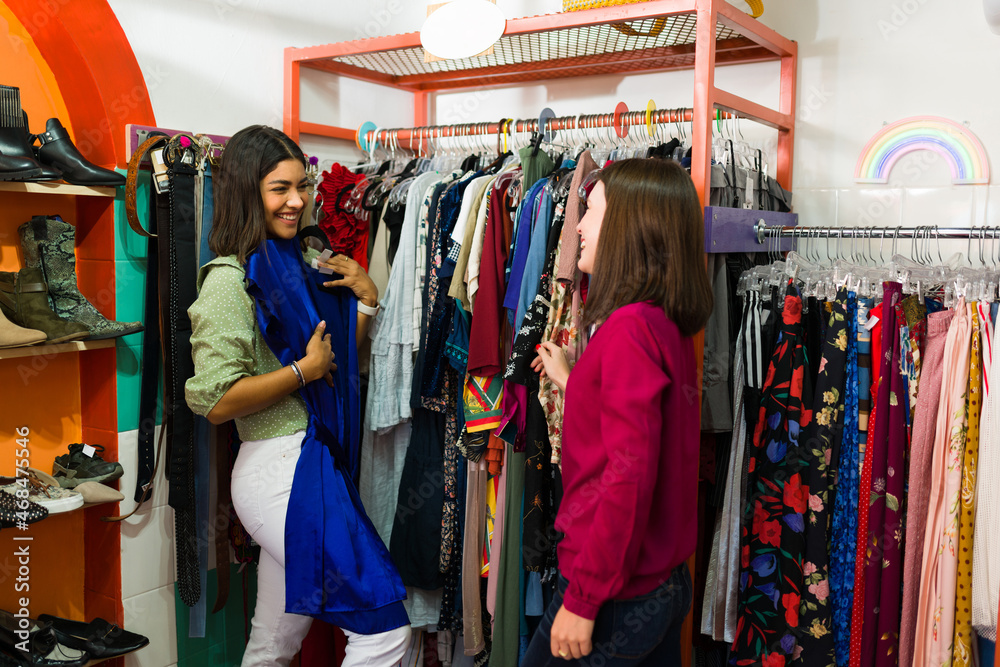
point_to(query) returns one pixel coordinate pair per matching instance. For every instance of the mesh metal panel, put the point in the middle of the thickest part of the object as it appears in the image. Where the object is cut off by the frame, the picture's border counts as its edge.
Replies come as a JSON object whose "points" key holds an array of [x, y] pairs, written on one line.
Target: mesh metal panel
{"points": [[598, 40]]}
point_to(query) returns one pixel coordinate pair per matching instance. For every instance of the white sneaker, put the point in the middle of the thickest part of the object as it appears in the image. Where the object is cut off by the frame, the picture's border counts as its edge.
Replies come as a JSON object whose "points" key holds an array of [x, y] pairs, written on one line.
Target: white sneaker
{"points": [[53, 498]]}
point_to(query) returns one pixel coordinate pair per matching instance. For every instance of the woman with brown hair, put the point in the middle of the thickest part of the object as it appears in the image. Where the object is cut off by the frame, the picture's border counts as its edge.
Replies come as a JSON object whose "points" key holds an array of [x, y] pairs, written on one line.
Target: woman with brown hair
{"points": [[274, 347], [630, 427]]}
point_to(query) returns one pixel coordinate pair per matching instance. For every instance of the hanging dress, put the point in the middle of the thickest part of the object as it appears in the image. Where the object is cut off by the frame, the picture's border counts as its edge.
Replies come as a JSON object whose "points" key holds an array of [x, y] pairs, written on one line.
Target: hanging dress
{"points": [[962, 655], [883, 498], [772, 536], [719, 608], [986, 548], [918, 491], [936, 607], [816, 613], [845, 515]]}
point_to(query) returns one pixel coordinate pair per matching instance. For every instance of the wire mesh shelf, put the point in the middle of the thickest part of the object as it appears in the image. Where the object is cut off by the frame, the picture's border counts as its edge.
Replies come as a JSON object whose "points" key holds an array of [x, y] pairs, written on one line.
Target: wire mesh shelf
{"points": [[635, 37]]}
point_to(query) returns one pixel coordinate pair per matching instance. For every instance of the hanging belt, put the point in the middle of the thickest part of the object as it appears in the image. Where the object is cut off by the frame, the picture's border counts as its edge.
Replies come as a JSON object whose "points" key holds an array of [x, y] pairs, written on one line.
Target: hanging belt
{"points": [[149, 381], [132, 182], [151, 337], [177, 284], [173, 264]]}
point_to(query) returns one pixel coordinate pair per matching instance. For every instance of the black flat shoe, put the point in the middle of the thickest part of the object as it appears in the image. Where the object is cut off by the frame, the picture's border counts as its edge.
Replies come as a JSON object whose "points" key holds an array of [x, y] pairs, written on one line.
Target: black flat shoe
{"points": [[99, 638], [34, 643]]}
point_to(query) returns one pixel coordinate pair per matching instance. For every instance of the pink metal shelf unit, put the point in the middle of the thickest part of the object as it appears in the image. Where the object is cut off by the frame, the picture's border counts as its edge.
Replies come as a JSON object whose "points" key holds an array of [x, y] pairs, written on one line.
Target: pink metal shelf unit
{"points": [[653, 36]]}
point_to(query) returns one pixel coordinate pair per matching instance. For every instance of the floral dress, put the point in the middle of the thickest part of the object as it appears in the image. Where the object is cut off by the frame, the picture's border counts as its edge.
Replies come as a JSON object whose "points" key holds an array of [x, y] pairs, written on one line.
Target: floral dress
{"points": [[843, 543], [816, 645], [884, 566], [773, 532]]}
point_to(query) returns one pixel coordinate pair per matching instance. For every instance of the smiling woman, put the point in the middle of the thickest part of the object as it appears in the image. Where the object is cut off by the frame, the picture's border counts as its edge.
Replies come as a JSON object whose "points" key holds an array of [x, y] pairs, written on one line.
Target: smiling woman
{"points": [[284, 195], [264, 174], [259, 347]]}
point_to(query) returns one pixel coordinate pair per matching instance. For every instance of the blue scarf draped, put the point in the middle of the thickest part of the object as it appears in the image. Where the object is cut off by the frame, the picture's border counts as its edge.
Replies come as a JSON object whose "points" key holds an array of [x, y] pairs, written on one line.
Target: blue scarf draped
{"points": [[337, 568]]}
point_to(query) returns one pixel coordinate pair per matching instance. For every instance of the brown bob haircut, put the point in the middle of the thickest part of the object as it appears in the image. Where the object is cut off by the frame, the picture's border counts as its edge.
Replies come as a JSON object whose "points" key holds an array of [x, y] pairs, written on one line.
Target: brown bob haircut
{"points": [[239, 223], [651, 245]]}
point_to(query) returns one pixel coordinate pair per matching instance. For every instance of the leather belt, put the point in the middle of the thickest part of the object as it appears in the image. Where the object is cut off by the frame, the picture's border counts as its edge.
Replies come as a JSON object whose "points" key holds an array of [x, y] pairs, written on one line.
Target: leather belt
{"points": [[131, 182]]}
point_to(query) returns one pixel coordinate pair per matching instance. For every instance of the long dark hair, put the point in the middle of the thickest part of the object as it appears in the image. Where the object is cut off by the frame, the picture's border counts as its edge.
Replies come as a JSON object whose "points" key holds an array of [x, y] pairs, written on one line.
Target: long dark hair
{"points": [[238, 218], [651, 245]]}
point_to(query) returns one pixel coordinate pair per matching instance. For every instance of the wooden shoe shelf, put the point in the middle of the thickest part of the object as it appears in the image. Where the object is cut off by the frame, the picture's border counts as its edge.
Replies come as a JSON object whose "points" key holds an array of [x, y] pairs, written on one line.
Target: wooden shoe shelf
{"points": [[57, 188], [74, 63], [59, 348]]}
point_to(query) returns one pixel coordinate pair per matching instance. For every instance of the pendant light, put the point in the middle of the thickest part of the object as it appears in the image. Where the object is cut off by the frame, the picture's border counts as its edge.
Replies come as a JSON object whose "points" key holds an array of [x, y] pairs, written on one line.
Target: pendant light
{"points": [[462, 29], [992, 10]]}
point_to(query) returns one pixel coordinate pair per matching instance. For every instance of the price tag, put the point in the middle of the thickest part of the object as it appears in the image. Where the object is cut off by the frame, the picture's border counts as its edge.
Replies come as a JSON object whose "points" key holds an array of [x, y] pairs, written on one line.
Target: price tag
{"points": [[872, 321], [749, 202], [89, 451], [323, 257], [161, 180]]}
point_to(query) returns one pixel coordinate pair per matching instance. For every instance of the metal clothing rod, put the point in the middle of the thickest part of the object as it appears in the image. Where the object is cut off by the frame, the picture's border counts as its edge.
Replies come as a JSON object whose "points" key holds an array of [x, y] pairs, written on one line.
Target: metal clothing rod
{"points": [[582, 122], [764, 231]]}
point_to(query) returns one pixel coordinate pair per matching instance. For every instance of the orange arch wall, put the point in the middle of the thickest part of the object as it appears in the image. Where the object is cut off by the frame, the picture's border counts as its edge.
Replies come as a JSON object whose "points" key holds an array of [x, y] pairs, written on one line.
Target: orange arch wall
{"points": [[71, 60]]}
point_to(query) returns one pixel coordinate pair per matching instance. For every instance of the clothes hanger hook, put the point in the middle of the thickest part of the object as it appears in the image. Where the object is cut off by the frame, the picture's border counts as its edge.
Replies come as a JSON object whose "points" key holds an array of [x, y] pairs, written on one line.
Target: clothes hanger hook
{"points": [[982, 239]]}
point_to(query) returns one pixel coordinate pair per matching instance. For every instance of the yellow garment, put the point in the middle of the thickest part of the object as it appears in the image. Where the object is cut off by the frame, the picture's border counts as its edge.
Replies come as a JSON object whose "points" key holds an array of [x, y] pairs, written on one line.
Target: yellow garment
{"points": [[491, 512], [962, 646], [756, 6], [577, 5]]}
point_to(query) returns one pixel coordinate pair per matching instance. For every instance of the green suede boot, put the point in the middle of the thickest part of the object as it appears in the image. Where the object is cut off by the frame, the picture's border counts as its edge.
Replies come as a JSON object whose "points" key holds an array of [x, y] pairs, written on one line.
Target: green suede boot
{"points": [[24, 300], [48, 244]]}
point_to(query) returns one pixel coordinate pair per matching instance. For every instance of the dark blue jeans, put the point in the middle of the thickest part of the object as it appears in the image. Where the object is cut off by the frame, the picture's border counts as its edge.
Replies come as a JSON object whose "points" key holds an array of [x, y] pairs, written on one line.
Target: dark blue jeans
{"points": [[643, 630]]}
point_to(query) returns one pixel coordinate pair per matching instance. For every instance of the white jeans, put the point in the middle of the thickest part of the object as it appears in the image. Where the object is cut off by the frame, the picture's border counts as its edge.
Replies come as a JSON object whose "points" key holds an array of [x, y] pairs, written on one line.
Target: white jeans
{"points": [[261, 484]]}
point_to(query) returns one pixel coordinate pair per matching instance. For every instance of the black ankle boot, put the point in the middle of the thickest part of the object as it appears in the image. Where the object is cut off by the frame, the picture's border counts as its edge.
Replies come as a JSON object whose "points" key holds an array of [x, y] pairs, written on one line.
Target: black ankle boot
{"points": [[57, 150], [48, 173], [18, 169], [17, 161]]}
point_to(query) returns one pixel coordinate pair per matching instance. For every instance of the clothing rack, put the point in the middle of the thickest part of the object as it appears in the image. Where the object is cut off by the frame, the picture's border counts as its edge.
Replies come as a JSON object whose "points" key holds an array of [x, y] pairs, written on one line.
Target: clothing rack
{"points": [[738, 230], [763, 231], [620, 121], [726, 229]]}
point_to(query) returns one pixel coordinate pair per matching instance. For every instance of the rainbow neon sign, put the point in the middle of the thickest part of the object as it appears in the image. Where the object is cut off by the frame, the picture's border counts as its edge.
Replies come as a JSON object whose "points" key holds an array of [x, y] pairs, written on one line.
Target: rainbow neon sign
{"points": [[953, 142]]}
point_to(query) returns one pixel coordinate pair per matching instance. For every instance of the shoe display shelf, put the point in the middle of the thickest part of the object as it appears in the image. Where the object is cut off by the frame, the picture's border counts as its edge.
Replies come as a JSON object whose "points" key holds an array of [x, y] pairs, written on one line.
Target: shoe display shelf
{"points": [[71, 62], [57, 348], [57, 188], [39, 203]]}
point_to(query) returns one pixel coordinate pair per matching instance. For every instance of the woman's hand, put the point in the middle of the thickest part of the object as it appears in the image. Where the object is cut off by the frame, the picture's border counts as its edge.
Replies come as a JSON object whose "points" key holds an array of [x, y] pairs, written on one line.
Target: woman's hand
{"points": [[319, 360], [570, 635], [355, 278], [552, 363]]}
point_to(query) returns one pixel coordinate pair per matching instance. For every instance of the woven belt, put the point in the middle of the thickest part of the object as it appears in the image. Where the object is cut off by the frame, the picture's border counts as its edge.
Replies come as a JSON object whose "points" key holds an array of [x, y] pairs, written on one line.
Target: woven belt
{"points": [[177, 286]]}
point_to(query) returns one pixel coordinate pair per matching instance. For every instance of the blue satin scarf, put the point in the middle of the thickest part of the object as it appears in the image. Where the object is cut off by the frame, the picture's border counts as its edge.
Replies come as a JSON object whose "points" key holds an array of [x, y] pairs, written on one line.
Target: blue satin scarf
{"points": [[337, 569]]}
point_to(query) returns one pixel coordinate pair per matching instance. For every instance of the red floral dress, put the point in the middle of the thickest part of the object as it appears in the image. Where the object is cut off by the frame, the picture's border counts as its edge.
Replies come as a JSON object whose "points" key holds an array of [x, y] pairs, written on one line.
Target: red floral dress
{"points": [[774, 518]]}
